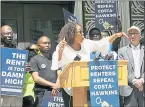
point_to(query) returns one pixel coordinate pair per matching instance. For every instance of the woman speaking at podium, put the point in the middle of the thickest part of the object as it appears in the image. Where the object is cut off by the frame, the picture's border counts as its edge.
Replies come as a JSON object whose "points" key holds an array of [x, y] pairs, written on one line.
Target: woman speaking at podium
{"points": [[73, 46]]}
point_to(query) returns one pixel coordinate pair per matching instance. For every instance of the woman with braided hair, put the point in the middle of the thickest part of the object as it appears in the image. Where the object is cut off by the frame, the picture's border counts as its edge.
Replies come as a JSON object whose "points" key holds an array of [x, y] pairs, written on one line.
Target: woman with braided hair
{"points": [[72, 44]]}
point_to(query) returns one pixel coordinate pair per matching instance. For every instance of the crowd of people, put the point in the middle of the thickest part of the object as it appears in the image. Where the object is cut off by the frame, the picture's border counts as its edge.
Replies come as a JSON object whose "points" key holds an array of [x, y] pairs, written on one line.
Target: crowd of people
{"points": [[45, 66]]}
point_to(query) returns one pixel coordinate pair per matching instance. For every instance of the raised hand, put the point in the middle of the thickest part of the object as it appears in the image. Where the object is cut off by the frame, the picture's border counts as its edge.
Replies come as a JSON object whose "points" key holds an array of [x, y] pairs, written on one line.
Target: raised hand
{"points": [[121, 34], [62, 44]]}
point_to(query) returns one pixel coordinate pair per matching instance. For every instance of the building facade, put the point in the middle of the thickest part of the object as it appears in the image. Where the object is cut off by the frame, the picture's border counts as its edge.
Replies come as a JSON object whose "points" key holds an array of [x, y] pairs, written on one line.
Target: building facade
{"points": [[130, 12], [30, 20]]}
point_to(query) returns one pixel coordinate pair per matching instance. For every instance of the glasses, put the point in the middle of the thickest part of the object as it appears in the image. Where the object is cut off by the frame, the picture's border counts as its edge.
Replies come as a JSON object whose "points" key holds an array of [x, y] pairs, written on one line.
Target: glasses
{"points": [[130, 34]]}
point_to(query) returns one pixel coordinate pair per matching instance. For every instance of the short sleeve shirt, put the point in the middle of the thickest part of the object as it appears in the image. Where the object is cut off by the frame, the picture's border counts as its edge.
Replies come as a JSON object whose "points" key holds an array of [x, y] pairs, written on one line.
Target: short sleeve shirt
{"points": [[42, 65]]}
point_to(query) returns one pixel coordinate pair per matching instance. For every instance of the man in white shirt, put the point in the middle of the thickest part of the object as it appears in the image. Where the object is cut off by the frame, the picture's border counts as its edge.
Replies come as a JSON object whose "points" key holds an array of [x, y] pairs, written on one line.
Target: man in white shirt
{"points": [[133, 93]]}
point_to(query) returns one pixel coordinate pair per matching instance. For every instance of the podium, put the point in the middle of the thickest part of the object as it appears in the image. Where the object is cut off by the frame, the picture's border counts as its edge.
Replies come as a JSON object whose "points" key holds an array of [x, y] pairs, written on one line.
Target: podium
{"points": [[76, 75]]}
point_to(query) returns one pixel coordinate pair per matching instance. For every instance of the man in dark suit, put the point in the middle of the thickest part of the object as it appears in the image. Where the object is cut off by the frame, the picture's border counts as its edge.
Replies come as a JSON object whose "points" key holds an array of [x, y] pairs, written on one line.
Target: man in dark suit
{"points": [[133, 93]]}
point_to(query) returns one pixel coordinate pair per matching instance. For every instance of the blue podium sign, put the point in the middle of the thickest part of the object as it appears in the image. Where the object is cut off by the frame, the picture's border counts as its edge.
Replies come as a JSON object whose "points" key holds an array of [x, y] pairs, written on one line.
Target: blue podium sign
{"points": [[13, 70], [104, 83], [52, 101]]}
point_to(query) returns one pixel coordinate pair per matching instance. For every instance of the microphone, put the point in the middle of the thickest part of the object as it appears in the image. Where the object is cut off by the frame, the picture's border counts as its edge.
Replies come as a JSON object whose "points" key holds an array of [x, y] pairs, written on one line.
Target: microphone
{"points": [[101, 56], [109, 56], [97, 55], [77, 58]]}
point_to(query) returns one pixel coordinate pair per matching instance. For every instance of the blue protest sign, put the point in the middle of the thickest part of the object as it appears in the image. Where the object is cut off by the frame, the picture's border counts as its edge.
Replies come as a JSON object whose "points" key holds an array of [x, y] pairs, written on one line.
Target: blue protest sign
{"points": [[69, 17], [104, 83], [52, 101], [106, 14], [13, 71]]}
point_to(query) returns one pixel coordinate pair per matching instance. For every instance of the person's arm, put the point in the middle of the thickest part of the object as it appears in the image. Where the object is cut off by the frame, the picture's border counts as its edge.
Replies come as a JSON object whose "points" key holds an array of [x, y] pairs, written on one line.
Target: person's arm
{"points": [[35, 74], [139, 83], [103, 44], [142, 76], [115, 36], [58, 78], [55, 91], [55, 61], [141, 80], [42, 81]]}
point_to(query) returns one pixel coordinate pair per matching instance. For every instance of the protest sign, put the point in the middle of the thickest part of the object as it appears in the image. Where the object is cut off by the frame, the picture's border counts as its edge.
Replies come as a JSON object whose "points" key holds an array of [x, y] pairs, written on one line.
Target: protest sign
{"points": [[104, 83], [13, 71], [69, 17], [52, 101], [106, 14]]}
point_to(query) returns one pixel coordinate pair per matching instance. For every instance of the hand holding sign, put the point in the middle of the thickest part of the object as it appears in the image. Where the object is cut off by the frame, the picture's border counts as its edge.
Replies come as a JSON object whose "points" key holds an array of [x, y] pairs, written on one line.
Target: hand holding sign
{"points": [[52, 101], [28, 67], [54, 92], [13, 71]]}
